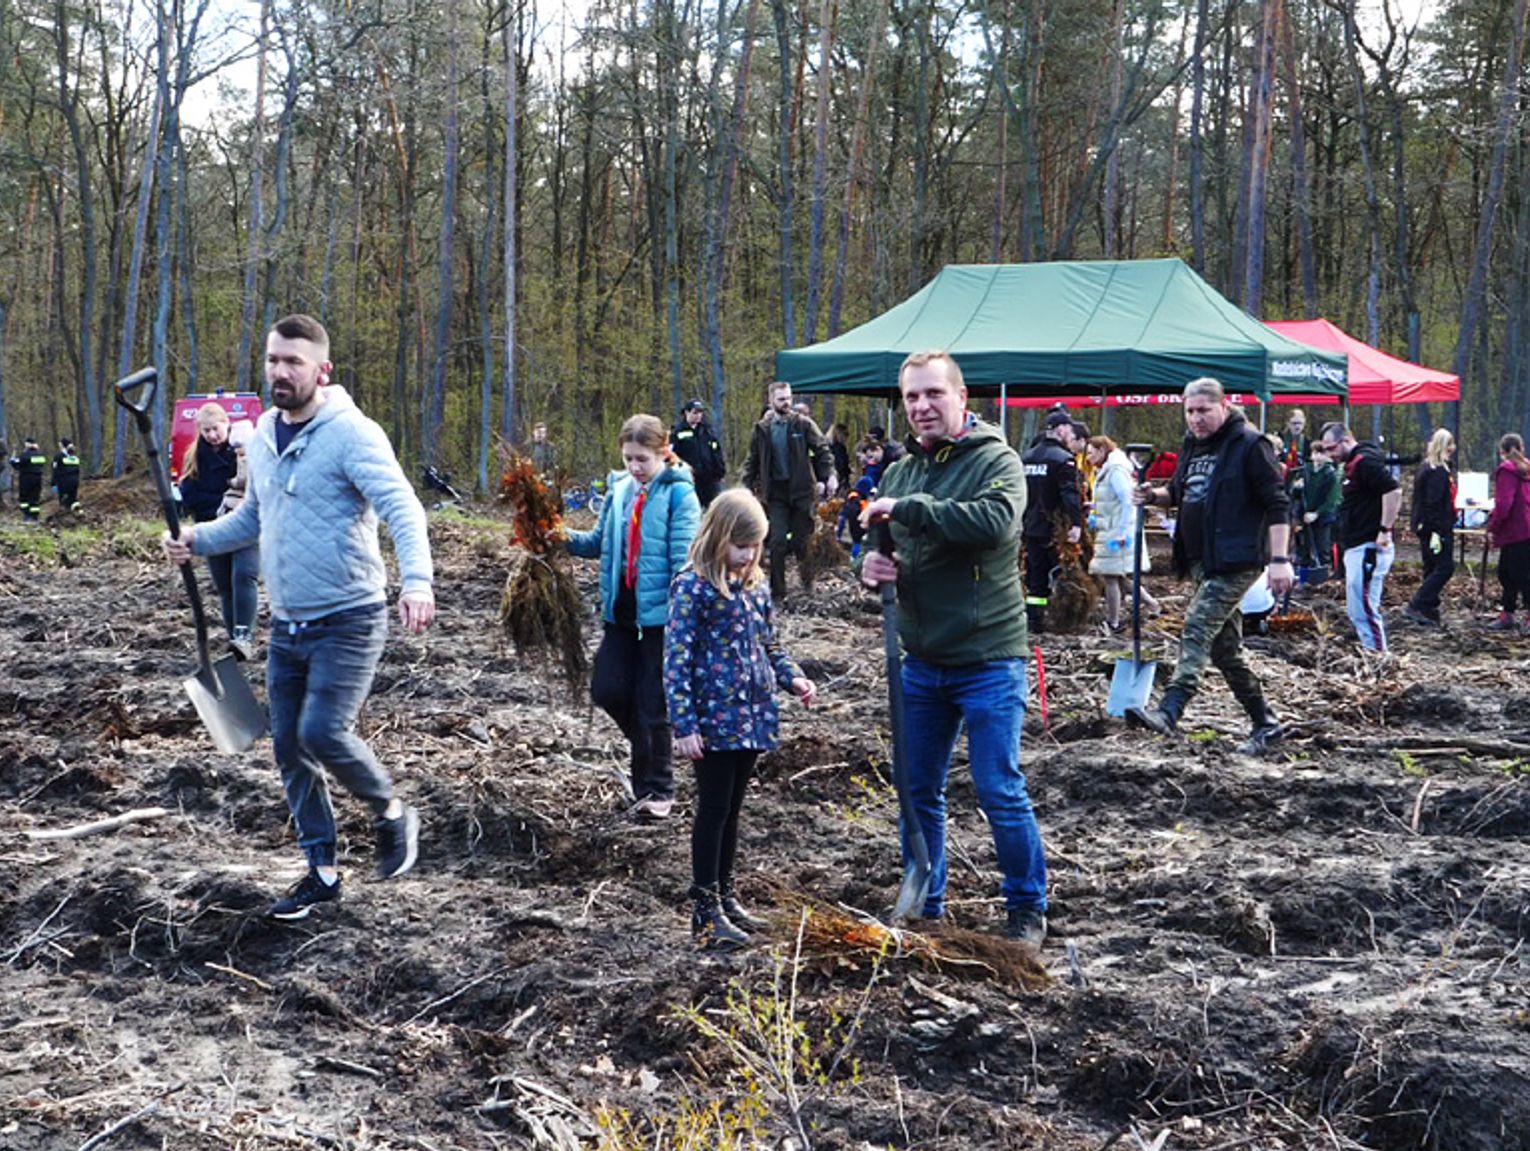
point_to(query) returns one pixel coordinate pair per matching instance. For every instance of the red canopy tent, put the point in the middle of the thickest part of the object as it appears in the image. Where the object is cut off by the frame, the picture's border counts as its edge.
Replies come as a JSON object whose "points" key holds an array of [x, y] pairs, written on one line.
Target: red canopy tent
{"points": [[1374, 377]]}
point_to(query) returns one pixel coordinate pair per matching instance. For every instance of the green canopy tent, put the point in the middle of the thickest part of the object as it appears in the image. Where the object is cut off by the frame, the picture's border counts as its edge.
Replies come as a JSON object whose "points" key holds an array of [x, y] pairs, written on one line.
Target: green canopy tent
{"points": [[1133, 327]]}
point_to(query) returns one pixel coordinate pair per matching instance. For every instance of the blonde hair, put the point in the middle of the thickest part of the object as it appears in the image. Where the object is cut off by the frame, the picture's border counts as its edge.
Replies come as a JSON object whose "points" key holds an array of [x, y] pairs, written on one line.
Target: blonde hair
{"points": [[734, 517], [207, 415], [1437, 454]]}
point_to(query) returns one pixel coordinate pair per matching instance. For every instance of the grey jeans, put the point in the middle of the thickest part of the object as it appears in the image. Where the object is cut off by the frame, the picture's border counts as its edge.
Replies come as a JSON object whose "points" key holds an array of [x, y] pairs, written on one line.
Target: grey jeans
{"points": [[318, 674]]}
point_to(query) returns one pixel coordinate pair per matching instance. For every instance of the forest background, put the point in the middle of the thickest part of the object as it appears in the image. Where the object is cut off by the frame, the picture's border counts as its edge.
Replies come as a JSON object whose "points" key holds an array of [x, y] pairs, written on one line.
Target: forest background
{"points": [[696, 184]]}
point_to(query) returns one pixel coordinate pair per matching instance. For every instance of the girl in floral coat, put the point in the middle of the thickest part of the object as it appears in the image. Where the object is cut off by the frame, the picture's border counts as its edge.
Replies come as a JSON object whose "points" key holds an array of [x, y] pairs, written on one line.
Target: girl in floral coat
{"points": [[721, 666]]}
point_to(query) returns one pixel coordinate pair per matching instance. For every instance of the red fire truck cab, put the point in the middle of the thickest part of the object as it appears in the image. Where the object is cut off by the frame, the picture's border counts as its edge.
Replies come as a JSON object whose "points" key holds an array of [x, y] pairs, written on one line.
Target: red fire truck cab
{"points": [[183, 428]]}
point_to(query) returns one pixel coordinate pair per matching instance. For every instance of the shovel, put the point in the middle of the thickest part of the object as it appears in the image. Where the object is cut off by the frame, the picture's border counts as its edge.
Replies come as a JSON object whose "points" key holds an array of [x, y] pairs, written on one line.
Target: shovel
{"points": [[1132, 684], [220, 693], [918, 870]]}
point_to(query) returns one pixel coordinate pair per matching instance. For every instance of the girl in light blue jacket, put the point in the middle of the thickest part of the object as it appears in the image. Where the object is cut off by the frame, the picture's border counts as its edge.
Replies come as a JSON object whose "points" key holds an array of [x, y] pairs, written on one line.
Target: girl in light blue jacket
{"points": [[641, 539]]}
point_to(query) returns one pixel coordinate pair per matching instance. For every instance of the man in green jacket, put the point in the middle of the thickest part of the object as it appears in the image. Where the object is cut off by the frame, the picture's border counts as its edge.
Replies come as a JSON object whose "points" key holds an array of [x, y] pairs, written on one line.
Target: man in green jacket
{"points": [[955, 504]]}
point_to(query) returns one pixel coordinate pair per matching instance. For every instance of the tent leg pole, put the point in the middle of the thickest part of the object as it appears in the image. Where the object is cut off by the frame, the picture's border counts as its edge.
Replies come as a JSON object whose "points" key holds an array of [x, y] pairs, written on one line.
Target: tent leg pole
{"points": [[1004, 411], [1262, 407]]}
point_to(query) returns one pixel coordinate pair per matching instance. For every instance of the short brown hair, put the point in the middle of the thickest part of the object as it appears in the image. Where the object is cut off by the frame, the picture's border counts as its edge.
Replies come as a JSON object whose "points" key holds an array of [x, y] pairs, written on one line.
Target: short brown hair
{"points": [[300, 327], [929, 356], [1104, 443]]}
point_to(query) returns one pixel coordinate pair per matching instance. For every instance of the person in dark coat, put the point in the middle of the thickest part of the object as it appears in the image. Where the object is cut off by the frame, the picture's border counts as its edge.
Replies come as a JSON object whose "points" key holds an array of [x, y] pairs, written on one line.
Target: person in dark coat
{"points": [[208, 470], [1433, 521], [28, 465], [1233, 521], [694, 441], [1052, 489], [789, 465], [66, 476]]}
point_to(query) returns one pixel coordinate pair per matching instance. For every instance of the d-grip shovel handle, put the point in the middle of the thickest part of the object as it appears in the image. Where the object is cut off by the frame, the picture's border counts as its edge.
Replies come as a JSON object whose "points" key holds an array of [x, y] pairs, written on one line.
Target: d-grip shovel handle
{"points": [[144, 382]]}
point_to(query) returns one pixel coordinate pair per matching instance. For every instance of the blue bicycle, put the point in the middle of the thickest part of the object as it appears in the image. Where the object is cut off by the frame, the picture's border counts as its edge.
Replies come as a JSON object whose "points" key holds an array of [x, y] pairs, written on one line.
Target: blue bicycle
{"points": [[580, 497]]}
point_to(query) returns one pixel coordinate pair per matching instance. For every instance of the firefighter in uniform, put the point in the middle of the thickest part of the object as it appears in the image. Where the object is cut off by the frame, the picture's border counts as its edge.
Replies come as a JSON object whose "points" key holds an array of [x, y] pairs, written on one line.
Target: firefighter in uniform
{"points": [[29, 465], [66, 476], [1052, 487]]}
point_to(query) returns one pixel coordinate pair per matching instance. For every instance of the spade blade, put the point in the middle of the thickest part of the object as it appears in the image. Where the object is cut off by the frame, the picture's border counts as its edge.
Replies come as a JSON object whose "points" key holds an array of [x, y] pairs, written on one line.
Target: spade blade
{"points": [[229, 709]]}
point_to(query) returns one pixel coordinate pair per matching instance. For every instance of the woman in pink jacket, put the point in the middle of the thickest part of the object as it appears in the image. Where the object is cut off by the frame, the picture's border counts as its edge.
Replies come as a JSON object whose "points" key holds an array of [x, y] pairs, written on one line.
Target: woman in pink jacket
{"points": [[1509, 529]]}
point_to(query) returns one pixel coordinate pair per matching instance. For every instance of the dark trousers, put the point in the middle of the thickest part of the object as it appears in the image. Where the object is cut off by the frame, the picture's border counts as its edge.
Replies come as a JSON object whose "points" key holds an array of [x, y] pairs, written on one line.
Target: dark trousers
{"points": [[791, 523], [1514, 575], [627, 683], [1316, 545], [707, 491], [1040, 563], [722, 778], [1439, 566], [29, 495], [69, 494]]}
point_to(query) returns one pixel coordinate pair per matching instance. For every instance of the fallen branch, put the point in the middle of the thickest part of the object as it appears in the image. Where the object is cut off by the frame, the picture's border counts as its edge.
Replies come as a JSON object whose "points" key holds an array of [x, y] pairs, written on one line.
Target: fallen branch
{"points": [[111, 823], [96, 1140], [335, 1063], [245, 975]]}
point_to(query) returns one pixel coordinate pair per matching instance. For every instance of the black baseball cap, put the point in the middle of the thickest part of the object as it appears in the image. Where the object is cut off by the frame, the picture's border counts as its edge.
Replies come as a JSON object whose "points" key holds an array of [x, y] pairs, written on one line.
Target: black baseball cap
{"points": [[1058, 418], [694, 406]]}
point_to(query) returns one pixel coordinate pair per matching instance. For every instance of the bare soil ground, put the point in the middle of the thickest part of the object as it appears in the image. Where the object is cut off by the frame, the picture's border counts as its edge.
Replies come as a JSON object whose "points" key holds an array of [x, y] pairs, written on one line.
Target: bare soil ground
{"points": [[1321, 948]]}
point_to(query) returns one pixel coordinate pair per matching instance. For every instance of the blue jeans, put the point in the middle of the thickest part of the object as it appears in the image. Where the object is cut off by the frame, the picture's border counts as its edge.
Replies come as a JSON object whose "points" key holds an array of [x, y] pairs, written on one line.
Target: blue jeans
{"points": [[318, 674], [236, 575], [990, 697], [1362, 595]]}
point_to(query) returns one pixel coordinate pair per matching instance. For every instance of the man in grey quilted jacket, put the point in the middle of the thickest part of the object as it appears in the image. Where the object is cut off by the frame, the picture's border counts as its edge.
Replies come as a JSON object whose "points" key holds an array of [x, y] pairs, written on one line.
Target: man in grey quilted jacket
{"points": [[321, 474]]}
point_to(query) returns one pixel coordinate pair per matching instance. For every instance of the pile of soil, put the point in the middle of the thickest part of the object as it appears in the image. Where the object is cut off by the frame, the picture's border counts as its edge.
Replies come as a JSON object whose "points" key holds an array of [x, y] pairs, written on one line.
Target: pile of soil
{"points": [[1320, 948]]}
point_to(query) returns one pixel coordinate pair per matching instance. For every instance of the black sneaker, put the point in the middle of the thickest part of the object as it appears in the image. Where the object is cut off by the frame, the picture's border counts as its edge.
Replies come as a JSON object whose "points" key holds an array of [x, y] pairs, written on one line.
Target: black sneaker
{"points": [[398, 843], [1421, 618], [303, 896], [1026, 925]]}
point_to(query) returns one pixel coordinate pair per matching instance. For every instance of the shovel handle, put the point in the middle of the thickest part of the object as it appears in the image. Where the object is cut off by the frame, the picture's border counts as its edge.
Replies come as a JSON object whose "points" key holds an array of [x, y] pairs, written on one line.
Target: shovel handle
{"points": [[144, 382]]}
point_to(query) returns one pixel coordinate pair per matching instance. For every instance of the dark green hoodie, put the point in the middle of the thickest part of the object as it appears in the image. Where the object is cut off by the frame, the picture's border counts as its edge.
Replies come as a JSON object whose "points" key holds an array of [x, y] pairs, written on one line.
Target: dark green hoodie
{"points": [[956, 529]]}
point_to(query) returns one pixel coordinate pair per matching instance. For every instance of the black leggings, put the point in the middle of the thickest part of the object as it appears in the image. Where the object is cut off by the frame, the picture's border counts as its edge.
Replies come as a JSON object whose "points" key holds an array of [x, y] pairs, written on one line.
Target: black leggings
{"points": [[1514, 575], [722, 777]]}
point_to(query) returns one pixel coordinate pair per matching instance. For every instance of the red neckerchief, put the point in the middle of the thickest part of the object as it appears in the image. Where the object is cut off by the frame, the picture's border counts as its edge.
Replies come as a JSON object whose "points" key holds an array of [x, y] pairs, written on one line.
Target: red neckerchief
{"points": [[635, 537]]}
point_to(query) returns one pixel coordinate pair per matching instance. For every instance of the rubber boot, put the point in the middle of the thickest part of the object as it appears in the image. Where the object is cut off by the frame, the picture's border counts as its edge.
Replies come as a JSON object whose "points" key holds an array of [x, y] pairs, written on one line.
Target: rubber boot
{"points": [[1035, 620], [711, 929], [1267, 727], [1164, 718], [736, 912]]}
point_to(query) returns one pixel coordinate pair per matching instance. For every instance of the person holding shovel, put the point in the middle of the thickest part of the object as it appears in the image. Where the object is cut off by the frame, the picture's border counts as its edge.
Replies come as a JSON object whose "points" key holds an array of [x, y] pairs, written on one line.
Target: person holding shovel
{"points": [[1233, 520], [954, 506], [321, 474]]}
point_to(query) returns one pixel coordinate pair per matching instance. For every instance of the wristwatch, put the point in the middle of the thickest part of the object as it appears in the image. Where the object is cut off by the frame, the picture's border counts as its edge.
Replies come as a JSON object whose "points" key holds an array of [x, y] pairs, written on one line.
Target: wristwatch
{"points": [[1280, 559]]}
